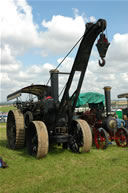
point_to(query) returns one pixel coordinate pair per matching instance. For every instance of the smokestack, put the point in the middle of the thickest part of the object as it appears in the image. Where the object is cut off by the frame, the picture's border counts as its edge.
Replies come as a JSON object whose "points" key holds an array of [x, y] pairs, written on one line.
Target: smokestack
{"points": [[54, 84], [107, 90]]}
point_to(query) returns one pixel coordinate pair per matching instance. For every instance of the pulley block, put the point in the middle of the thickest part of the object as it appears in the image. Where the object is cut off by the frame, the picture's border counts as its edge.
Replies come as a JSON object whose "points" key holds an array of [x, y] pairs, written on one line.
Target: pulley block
{"points": [[102, 46]]}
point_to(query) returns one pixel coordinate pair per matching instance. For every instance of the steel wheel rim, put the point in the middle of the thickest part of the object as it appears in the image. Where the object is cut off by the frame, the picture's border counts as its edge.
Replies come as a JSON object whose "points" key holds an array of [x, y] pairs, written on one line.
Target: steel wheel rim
{"points": [[15, 129], [121, 138], [32, 140], [100, 140], [81, 140], [37, 139], [11, 131], [77, 139]]}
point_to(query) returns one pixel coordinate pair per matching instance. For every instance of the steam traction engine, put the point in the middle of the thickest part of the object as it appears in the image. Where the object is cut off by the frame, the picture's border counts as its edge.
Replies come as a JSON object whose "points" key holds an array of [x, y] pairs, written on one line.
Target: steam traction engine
{"points": [[46, 121], [119, 135], [104, 125]]}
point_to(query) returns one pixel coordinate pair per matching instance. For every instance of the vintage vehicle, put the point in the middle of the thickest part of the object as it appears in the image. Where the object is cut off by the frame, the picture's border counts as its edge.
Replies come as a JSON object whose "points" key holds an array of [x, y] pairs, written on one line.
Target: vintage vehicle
{"points": [[48, 120], [102, 122], [125, 110], [94, 116]]}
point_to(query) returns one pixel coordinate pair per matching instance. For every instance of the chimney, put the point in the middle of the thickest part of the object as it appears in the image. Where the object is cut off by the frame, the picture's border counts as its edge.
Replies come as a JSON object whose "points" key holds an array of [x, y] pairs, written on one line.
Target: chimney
{"points": [[107, 90], [54, 84]]}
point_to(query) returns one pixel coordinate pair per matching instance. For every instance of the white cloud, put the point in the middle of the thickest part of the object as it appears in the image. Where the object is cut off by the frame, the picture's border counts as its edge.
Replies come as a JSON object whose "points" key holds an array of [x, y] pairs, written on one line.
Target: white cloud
{"points": [[62, 33], [20, 33], [92, 19], [124, 76], [8, 61], [18, 29], [119, 48]]}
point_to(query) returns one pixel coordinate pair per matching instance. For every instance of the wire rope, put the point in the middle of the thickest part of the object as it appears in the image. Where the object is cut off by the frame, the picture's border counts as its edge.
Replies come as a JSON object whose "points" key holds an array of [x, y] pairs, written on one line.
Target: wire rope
{"points": [[65, 57]]}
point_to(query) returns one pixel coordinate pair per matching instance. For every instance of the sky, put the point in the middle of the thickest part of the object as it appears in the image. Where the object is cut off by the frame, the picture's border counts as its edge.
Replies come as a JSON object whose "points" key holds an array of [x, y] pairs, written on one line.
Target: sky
{"points": [[35, 36]]}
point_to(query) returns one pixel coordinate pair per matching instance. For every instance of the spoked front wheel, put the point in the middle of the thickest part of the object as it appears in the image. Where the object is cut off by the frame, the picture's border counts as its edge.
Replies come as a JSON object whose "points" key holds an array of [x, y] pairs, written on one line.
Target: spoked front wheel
{"points": [[81, 140], [121, 137], [101, 139], [37, 139]]}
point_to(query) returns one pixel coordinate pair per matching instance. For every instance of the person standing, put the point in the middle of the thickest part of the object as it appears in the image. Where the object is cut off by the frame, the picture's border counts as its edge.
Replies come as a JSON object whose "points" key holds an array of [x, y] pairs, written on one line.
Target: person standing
{"points": [[120, 122], [125, 118]]}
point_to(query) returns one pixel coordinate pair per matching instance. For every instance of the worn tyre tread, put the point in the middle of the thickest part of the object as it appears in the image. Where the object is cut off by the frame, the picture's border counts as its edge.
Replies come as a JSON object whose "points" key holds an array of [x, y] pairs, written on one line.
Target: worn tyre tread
{"points": [[20, 131], [87, 135], [42, 136]]}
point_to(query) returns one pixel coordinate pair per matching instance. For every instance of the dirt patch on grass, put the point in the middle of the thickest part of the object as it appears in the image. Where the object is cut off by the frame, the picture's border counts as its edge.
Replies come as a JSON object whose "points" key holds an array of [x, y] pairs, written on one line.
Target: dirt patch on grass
{"points": [[2, 126]]}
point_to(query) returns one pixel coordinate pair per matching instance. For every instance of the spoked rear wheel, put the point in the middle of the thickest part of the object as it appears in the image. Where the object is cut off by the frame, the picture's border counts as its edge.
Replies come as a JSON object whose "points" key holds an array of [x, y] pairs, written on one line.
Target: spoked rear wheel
{"points": [[37, 139], [101, 139], [15, 129], [121, 137], [81, 140]]}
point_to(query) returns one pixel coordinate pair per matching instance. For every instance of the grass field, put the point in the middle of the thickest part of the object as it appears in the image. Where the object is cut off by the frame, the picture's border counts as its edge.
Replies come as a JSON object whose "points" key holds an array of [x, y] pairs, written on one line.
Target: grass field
{"points": [[6, 108], [64, 172], [100, 171]]}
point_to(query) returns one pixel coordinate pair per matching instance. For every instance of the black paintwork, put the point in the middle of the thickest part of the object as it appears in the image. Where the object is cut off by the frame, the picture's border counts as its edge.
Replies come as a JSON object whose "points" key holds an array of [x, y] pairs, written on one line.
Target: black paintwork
{"points": [[58, 115]]}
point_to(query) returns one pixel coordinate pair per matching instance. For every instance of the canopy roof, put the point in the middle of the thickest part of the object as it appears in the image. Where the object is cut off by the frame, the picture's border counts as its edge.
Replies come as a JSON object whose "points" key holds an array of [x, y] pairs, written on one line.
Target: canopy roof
{"points": [[124, 95], [90, 97], [38, 90]]}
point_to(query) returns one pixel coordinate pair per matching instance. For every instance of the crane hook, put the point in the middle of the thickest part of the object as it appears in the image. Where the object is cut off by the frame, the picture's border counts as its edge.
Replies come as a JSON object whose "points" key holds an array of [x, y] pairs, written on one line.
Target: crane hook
{"points": [[102, 63]]}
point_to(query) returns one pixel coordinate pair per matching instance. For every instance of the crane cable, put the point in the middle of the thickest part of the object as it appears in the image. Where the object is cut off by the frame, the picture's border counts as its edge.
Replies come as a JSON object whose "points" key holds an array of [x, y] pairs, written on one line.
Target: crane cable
{"points": [[66, 57]]}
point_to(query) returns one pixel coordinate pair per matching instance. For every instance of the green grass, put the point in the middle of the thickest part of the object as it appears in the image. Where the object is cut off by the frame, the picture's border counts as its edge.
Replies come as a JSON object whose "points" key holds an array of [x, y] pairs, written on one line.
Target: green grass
{"points": [[7, 108], [64, 172]]}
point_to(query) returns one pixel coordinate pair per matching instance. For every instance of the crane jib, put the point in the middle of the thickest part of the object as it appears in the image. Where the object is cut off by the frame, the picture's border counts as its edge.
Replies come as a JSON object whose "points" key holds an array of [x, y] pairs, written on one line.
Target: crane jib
{"points": [[82, 57]]}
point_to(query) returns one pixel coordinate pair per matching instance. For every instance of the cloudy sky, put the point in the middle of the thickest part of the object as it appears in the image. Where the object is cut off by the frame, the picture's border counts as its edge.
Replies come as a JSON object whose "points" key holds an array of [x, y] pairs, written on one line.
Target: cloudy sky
{"points": [[37, 34]]}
